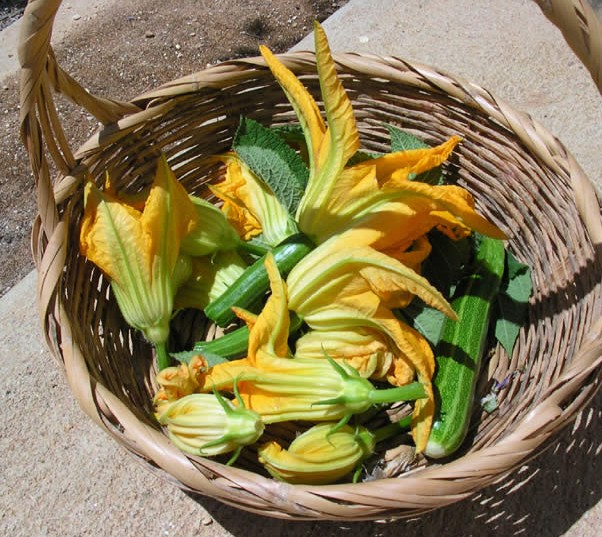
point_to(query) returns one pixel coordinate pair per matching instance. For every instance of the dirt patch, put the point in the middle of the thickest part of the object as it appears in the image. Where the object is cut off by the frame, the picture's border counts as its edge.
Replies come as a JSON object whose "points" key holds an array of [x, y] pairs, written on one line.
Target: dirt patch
{"points": [[140, 46]]}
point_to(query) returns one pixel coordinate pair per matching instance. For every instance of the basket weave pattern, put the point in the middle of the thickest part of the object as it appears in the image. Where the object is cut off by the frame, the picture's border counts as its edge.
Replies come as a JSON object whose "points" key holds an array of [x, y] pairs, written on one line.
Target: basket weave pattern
{"points": [[524, 181]]}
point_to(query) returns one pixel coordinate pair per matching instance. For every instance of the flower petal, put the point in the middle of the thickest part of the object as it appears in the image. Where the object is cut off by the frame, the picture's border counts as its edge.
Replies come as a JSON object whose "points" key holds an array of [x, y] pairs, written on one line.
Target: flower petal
{"points": [[336, 273], [338, 145], [112, 237], [413, 161], [269, 336], [364, 349], [303, 103], [237, 205], [250, 205], [168, 217]]}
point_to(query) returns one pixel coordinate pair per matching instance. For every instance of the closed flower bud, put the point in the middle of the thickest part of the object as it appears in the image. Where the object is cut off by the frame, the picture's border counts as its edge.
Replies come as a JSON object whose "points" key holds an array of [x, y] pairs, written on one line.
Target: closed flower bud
{"points": [[213, 232], [307, 389], [207, 424], [323, 454]]}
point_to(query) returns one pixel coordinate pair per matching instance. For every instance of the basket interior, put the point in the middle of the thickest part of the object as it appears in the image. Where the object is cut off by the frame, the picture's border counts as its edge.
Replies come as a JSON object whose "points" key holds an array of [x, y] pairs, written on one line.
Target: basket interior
{"points": [[530, 202]]}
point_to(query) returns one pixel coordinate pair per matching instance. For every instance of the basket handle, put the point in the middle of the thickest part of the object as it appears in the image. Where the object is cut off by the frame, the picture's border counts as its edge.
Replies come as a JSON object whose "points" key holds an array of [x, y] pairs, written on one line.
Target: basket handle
{"points": [[582, 30], [41, 76]]}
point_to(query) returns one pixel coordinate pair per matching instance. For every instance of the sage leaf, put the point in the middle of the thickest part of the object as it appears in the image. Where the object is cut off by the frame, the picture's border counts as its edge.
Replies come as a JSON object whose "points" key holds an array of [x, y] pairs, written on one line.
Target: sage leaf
{"points": [[512, 302], [426, 320], [270, 158], [404, 141], [211, 358]]}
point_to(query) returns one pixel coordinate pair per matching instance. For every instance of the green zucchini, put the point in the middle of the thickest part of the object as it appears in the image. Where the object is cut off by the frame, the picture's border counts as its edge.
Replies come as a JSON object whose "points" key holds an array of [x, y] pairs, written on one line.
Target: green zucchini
{"points": [[460, 350], [253, 283]]}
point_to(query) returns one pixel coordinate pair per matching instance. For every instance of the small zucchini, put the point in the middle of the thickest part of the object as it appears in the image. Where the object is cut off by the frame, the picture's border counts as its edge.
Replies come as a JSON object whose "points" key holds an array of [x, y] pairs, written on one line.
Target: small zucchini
{"points": [[253, 283], [461, 347]]}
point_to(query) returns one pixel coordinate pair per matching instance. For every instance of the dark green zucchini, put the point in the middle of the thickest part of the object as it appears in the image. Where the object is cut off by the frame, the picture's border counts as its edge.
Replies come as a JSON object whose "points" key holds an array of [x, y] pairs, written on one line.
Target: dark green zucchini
{"points": [[253, 283]]}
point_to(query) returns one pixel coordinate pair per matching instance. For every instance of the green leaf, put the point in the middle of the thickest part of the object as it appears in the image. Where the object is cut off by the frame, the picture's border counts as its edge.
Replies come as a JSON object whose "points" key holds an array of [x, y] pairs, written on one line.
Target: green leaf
{"points": [[447, 261], [512, 302], [404, 141], [428, 321], [362, 156], [211, 358], [291, 133], [269, 157]]}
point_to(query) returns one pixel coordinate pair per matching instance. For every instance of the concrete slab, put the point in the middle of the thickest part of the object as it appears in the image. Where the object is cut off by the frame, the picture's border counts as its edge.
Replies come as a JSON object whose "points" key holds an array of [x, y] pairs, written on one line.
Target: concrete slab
{"points": [[63, 476]]}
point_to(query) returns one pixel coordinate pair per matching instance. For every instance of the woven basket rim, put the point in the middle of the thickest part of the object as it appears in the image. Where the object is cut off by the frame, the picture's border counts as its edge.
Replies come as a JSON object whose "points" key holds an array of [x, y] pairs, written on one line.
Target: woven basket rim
{"points": [[426, 488], [515, 449]]}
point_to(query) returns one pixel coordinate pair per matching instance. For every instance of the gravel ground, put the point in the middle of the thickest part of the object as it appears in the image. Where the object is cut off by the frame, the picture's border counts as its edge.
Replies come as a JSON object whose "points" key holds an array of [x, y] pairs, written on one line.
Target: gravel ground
{"points": [[10, 11], [145, 53]]}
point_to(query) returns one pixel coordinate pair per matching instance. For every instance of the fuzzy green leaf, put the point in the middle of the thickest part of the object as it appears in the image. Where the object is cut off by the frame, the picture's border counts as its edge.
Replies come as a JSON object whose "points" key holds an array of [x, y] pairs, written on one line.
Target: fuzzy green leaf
{"points": [[269, 157], [512, 302], [428, 321], [211, 358], [404, 141], [291, 133]]}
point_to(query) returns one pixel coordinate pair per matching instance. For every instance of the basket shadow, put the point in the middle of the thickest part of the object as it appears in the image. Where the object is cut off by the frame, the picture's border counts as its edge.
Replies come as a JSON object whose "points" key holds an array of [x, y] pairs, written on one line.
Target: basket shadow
{"points": [[544, 497]]}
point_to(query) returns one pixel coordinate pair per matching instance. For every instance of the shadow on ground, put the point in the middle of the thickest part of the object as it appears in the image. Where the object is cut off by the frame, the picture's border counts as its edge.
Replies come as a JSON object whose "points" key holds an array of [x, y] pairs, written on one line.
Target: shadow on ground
{"points": [[567, 474]]}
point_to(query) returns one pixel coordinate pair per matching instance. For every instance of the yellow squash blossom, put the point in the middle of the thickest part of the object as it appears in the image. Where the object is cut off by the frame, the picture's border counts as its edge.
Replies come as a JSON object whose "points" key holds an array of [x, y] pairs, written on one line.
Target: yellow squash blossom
{"points": [[210, 277], [140, 251], [176, 382], [281, 388], [329, 148], [374, 197], [360, 279], [393, 216], [207, 424], [250, 205], [323, 454], [213, 232], [336, 288]]}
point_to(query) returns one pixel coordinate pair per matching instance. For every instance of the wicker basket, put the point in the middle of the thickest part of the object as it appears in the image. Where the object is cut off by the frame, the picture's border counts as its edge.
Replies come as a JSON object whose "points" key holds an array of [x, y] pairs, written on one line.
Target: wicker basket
{"points": [[524, 179]]}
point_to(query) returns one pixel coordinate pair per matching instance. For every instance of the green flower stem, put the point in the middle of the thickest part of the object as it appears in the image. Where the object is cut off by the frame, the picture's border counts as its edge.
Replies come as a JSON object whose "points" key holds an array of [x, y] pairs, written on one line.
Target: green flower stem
{"points": [[390, 430], [409, 392], [163, 358]]}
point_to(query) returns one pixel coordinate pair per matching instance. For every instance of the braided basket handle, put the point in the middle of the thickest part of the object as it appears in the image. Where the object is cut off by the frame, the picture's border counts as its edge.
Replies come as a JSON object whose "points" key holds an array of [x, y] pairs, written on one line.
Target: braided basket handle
{"points": [[41, 76], [582, 30]]}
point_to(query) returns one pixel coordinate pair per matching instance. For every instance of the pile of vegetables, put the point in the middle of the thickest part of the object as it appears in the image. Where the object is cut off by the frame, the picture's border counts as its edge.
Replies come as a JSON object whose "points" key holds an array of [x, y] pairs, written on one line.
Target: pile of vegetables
{"points": [[346, 283]]}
